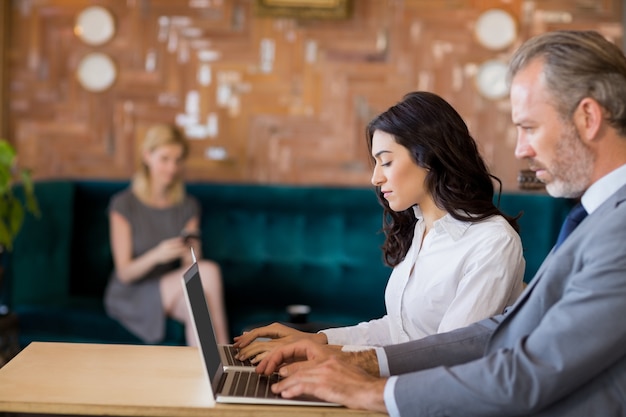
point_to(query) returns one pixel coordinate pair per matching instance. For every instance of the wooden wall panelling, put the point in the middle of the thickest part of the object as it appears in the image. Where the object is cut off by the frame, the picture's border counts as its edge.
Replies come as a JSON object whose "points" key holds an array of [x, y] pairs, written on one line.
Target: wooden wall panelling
{"points": [[263, 99], [4, 45]]}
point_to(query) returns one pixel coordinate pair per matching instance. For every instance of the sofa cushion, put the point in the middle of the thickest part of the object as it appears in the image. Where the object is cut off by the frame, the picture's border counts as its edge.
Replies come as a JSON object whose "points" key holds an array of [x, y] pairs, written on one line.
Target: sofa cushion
{"points": [[39, 265], [276, 245], [91, 261], [281, 245], [81, 325]]}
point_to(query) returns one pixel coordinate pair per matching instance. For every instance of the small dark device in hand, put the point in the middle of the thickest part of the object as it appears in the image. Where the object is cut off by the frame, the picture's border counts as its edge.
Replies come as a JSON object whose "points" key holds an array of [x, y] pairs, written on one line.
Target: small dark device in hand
{"points": [[190, 234]]}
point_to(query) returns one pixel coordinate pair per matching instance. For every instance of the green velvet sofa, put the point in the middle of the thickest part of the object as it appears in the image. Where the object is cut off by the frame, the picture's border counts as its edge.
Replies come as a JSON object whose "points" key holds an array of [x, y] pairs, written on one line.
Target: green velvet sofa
{"points": [[276, 245]]}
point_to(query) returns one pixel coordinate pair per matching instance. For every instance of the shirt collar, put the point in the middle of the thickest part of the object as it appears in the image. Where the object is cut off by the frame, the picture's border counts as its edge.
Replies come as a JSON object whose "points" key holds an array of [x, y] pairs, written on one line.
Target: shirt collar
{"points": [[448, 224], [602, 189]]}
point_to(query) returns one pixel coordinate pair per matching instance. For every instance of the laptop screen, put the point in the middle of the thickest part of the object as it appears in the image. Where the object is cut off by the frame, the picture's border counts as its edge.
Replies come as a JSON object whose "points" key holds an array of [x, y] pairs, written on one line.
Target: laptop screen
{"points": [[210, 355], [202, 321]]}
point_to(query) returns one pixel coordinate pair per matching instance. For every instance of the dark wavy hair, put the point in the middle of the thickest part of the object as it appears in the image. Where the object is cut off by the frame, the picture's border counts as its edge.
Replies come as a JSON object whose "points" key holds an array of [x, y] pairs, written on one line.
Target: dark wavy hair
{"points": [[458, 179]]}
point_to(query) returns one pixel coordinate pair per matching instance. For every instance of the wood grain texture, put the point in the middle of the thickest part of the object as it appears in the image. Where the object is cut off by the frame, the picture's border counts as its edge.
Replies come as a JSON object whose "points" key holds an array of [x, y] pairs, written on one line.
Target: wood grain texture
{"points": [[123, 380], [284, 100]]}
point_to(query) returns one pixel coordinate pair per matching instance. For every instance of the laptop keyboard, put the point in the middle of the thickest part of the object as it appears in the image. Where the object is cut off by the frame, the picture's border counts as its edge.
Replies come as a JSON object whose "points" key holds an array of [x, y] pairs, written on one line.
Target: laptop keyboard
{"points": [[230, 355], [251, 384]]}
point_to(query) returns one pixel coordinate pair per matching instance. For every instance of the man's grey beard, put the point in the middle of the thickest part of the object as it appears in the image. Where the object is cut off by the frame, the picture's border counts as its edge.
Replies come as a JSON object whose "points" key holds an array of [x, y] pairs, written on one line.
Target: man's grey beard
{"points": [[573, 167]]}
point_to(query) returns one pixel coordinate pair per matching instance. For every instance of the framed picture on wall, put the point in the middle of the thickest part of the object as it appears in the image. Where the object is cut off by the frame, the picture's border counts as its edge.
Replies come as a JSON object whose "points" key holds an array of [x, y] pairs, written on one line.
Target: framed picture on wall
{"points": [[303, 9]]}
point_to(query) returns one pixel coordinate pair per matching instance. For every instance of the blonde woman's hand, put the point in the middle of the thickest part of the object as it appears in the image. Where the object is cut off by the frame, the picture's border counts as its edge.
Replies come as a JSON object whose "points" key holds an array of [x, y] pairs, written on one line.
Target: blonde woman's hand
{"points": [[170, 250], [278, 335]]}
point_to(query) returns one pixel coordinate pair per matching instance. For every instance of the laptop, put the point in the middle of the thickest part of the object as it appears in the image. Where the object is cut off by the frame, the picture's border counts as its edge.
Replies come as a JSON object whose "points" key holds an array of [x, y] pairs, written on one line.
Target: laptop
{"points": [[235, 384]]}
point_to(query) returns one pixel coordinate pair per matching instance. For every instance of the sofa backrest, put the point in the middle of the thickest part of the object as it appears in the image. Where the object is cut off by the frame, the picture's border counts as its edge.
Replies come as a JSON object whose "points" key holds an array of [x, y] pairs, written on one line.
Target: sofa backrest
{"points": [[91, 260], [540, 224], [276, 245], [40, 263], [281, 245]]}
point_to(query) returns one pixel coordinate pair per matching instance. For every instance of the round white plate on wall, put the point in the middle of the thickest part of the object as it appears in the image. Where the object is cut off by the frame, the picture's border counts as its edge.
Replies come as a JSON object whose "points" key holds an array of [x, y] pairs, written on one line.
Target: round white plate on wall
{"points": [[491, 79], [96, 72], [495, 29], [94, 25]]}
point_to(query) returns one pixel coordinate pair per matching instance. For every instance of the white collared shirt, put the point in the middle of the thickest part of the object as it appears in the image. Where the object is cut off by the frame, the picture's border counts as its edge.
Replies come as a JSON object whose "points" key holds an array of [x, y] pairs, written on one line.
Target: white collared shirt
{"points": [[462, 272], [602, 189]]}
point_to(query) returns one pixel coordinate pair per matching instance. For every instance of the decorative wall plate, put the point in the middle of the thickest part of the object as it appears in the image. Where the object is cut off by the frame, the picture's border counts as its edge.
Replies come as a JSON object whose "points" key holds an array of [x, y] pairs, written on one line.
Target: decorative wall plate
{"points": [[94, 25], [491, 79], [495, 29], [96, 72]]}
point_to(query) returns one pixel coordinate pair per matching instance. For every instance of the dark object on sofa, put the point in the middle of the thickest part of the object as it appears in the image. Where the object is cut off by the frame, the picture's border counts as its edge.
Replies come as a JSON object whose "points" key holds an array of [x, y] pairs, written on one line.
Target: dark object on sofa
{"points": [[276, 245]]}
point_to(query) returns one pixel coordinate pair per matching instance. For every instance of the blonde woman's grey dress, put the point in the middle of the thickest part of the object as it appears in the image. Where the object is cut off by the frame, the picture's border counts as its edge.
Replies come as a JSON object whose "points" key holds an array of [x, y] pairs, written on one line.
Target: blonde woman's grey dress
{"points": [[138, 305]]}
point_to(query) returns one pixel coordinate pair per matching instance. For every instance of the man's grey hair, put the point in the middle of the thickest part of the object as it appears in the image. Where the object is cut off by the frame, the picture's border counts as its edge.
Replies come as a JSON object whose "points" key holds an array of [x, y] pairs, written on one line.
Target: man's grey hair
{"points": [[579, 64]]}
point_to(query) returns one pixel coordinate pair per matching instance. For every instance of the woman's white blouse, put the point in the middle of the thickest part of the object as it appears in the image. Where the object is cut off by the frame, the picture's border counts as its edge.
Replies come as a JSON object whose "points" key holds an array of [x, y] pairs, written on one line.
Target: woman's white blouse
{"points": [[462, 272]]}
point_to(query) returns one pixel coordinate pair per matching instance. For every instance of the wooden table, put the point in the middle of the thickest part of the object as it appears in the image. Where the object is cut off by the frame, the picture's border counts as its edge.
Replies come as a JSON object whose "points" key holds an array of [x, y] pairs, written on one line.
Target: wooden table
{"points": [[123, 380]]}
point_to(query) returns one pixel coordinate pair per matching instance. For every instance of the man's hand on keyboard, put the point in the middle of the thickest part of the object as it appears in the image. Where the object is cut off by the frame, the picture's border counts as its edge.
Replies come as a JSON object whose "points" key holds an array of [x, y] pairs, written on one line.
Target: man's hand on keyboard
{"points": [[278, 334], [324, 372]]}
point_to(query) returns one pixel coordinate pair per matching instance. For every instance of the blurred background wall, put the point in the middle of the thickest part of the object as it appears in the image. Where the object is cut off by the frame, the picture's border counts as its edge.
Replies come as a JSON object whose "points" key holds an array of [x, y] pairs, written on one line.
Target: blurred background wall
{"points": [[269, 91]]}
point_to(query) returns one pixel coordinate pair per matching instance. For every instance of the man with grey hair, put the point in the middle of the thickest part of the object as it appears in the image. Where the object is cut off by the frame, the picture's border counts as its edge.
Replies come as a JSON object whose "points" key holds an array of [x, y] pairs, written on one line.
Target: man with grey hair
{"points": [[560, 350]]}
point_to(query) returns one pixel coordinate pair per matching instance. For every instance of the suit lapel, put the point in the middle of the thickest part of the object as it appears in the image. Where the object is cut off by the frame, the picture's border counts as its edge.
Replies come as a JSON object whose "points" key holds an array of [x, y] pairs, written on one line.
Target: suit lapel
{"points": [[613, 202]]}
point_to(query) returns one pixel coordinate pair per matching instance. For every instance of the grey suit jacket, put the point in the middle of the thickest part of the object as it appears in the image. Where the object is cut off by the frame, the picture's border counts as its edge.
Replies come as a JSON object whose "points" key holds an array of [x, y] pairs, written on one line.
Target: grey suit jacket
{"points": [[560, 350]]}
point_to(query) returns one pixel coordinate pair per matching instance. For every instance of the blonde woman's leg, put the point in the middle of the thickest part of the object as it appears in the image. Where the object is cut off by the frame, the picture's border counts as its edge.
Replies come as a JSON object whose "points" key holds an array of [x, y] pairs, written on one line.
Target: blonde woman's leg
{"points": [[213, 290], [175, 306]]}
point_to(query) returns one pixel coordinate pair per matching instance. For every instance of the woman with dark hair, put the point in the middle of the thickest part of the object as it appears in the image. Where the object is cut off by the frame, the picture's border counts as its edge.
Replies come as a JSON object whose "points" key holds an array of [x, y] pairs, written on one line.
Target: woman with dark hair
{"points": [[456, 177], [457, 258]]}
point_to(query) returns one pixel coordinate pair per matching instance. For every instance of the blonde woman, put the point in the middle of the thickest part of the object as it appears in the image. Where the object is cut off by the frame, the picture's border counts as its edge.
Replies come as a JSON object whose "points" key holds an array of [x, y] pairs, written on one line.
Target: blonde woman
{"points": [[152, 225]]}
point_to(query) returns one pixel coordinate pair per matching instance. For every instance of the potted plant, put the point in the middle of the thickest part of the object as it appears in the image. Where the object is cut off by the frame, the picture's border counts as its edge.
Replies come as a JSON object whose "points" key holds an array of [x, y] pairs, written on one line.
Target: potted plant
{"points": [[12, 208]]}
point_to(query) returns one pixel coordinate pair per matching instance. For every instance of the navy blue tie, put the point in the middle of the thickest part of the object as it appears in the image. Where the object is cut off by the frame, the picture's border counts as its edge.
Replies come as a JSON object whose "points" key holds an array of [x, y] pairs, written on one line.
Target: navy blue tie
{"points": [[573, 219]]}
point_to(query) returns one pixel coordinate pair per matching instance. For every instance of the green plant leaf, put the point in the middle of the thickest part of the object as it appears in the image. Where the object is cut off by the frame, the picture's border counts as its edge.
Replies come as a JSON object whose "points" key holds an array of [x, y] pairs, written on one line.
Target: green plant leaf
{"points": [[29, 192], [7, 153], [7, 222], [5, 180], [16, 217], [12, 209], [6, 240]]}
